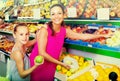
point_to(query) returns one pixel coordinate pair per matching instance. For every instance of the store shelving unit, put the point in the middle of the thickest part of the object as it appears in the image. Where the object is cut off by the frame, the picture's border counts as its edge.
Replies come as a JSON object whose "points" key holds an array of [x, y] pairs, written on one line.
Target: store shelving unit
{"points": [[105, 52]]}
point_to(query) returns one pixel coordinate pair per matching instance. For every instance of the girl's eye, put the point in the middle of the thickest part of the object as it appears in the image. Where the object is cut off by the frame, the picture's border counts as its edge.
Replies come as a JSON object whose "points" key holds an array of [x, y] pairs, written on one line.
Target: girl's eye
{"points": [[21, 34], [27, 33]]}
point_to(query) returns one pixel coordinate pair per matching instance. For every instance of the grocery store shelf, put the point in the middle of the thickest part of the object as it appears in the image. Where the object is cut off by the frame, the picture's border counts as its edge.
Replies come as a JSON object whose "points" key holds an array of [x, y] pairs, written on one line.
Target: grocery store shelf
{"points": [[4, 52], [10, 33], [110, 53], [6, 32], [103, 22], [96, 50], [70, 21]]}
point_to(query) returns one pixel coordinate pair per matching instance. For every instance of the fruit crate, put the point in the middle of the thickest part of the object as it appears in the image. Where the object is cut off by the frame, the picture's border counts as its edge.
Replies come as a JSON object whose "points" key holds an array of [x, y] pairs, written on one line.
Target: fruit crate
{"points": [[63, 77], [100, 72]]}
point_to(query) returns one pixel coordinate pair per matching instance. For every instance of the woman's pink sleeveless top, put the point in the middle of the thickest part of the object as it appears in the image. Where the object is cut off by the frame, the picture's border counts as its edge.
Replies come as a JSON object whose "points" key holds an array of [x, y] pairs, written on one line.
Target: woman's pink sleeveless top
{"points": [[46, 71]]}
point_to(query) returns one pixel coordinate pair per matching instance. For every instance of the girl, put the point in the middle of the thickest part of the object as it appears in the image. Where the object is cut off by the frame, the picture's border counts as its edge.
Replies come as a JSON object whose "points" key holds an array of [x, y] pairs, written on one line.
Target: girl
{"points": [[19, 61]]}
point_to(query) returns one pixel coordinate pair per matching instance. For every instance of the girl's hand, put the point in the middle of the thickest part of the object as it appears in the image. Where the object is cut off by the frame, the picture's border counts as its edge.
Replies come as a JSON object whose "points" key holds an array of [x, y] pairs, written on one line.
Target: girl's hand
{"points": [[37, 64]]}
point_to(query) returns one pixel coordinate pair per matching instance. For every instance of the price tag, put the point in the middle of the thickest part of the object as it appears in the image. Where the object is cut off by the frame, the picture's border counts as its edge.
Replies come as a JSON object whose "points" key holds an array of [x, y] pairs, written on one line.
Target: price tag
{"points": [[103, 14], [36, 13], [89, 45], [72, 12]]}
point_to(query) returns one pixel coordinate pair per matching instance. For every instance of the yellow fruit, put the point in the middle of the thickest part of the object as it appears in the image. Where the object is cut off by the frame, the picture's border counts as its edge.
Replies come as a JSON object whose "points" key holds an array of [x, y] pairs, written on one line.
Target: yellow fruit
{"points": [[72, 70], [81, 60], [58, 67], [80, 63], [86, 63], [68, 73], [76, 57], [64, 70], [107, 70]]}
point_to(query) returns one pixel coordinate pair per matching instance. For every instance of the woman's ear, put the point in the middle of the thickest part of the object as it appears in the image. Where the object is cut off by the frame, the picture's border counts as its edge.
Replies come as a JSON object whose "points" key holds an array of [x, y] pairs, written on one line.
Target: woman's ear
{"points": [[65, 15]]}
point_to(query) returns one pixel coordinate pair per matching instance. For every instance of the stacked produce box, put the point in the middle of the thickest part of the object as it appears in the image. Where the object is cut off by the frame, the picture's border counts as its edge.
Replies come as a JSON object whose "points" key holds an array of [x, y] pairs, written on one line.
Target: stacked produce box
{"points": [[88, 70]]}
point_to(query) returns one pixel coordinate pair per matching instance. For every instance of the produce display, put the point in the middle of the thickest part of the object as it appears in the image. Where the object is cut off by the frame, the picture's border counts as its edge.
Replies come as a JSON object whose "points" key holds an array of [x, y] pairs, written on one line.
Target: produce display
{"points": [[114, 12], [90, 9], [111, 43], [27, 10], [78, 65], [94, 30], [8, 27], [5, 43], [100, 72], [114, 41], [85, 9]]}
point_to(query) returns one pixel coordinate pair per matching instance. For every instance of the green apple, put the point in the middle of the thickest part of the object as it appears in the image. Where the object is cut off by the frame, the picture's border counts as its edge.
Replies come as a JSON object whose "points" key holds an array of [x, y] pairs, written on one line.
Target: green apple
{"points": [[4, 79], [39, 59]]}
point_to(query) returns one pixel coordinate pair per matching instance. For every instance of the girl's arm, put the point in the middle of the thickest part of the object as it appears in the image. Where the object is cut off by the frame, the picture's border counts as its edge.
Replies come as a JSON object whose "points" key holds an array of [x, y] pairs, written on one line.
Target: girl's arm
{"points": [[73, 35], [18, 57], [42, 42]]}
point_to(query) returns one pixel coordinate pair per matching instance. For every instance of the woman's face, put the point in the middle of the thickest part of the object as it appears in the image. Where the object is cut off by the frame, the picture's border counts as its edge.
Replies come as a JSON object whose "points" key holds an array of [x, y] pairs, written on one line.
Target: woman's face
{"points": [[57, 15], [22, 35]]}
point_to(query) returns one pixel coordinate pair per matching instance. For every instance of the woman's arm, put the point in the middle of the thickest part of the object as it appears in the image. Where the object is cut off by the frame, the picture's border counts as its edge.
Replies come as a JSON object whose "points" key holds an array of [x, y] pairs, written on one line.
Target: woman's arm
{"points": [[42, 41], [31, 42], [18, 57], [73, 35]]}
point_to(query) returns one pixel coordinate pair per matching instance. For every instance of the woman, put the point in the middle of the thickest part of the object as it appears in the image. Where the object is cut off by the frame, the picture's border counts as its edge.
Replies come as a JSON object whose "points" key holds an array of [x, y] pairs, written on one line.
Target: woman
{"points": [[50, 40]]}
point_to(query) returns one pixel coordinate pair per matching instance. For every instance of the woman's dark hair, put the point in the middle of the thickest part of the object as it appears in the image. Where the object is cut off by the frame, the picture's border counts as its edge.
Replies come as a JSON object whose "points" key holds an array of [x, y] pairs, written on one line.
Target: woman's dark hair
{"points": [[50, 23], [58, 5], [18, 25]]}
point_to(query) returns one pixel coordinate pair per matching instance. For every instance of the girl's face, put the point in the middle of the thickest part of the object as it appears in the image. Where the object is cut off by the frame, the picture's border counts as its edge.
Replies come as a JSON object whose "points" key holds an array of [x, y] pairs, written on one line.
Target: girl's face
{"points": [[57, 15], [22, 35]]}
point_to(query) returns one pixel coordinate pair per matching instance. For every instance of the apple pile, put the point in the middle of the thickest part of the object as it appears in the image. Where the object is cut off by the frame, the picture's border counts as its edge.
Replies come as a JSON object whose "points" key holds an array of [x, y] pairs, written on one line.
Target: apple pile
{"points": [[90, 10]]}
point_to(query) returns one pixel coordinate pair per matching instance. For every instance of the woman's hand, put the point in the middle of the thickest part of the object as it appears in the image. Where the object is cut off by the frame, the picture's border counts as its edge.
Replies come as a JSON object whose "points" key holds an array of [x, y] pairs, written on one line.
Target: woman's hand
{"points": [[66, 65], [108, 35]]}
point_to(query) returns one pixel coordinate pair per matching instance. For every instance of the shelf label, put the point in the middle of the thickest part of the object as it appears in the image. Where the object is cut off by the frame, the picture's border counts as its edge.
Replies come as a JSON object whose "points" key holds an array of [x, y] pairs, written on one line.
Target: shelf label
{"points": [[89, 45], [103, 13], [72, 12], [36, 13]]}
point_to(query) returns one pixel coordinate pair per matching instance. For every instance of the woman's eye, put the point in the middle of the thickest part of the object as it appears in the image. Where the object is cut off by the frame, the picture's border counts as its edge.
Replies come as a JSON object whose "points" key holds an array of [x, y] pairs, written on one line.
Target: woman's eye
{"points": [[59, 13], [52, 14]]}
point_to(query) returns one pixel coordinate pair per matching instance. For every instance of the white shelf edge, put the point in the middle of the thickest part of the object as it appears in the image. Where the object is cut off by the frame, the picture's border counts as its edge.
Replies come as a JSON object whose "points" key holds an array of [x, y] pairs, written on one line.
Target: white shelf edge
{"points": [[36, 3]]}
